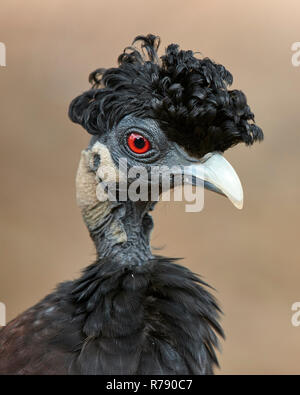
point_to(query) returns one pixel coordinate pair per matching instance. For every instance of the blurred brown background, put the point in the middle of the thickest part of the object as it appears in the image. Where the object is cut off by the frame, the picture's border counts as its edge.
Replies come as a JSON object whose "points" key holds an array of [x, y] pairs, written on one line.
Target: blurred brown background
{"points": [[251, 256]]}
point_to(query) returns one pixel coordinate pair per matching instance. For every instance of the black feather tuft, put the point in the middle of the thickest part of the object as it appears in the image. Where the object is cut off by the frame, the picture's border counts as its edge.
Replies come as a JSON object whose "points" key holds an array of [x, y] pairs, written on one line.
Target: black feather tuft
{"points": [[188, 96]]}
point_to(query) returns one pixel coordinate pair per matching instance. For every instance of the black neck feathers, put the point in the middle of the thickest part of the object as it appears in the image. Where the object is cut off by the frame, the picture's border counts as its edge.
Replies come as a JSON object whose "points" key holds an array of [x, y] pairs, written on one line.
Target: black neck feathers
{"points": [[157, 318]]}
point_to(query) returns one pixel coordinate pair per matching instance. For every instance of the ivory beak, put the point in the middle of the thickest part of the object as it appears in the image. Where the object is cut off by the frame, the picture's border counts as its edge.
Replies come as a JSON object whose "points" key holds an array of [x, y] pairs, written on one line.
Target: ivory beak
{"points": [[219, 176]]}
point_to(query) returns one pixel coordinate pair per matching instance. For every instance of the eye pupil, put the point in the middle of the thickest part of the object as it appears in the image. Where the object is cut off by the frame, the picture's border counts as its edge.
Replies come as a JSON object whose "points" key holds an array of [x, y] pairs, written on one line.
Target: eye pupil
{"points": [[138, 143]]}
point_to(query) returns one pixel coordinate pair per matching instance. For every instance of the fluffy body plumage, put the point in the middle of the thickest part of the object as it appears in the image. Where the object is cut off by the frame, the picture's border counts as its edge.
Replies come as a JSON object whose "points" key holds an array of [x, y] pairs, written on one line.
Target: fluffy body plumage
{"points": [[117, 319]]}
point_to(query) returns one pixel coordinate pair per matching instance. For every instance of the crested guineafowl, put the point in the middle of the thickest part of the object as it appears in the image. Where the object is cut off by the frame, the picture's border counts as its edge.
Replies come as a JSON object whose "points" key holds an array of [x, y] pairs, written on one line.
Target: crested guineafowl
{"points": [[132, 312]]}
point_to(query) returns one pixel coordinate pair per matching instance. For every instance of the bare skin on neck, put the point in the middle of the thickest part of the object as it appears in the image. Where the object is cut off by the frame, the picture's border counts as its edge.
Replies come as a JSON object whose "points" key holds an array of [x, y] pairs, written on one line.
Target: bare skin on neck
{"points": [[116, 228]]}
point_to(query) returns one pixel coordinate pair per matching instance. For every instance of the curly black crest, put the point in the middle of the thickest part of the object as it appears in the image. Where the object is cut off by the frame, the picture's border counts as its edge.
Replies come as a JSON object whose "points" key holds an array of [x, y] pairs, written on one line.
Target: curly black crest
{"points": [[188, 96]]}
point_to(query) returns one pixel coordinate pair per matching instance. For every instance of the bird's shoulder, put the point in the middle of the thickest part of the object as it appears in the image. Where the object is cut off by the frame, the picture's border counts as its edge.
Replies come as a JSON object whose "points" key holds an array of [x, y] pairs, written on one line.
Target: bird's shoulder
{"points": [[26, 341]]}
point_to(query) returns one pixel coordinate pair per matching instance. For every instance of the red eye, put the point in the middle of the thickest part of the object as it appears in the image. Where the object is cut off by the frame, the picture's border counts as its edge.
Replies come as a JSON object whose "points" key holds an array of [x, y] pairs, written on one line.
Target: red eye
{"points": [[138, 143]]}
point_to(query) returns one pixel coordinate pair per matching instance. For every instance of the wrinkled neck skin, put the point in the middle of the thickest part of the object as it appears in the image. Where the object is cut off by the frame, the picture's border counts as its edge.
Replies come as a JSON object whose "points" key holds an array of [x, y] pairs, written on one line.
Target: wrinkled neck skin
{"points": [[120, 230]]}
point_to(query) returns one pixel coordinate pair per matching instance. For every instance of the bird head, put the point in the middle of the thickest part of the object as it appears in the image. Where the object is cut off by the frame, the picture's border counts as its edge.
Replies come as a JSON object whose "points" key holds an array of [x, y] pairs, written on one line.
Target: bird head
{"points": [[172, 110]]}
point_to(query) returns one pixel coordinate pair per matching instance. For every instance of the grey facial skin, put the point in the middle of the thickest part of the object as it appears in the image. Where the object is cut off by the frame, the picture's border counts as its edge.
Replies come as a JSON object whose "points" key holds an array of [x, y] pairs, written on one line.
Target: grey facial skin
{"points": [[162, 153], [123, 229]]}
